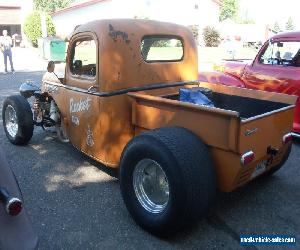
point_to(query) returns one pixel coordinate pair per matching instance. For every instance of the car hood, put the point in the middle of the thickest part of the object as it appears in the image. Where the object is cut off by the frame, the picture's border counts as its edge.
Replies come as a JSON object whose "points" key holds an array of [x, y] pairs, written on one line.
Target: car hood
{"points": [[234, 68]]}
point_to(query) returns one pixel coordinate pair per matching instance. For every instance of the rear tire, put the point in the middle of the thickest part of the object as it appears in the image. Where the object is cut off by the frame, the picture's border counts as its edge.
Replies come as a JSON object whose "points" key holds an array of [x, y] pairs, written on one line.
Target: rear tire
{"points": [[17, 119], [184, 174]]}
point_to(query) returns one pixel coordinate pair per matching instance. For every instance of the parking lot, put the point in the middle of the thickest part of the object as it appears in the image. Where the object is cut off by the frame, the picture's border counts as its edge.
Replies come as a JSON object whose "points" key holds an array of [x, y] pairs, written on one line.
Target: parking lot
{"points": [[75, 203]]}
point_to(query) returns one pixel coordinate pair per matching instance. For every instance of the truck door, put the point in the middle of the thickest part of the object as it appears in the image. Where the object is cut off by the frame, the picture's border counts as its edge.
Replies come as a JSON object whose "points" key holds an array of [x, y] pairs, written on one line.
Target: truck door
{"points": [[81, 81]]}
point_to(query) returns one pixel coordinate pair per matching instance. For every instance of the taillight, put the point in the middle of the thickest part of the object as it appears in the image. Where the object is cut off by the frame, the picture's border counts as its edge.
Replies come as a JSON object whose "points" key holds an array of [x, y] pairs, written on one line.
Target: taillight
{"points": [[13, 206], [247, 158], [287, 138]]}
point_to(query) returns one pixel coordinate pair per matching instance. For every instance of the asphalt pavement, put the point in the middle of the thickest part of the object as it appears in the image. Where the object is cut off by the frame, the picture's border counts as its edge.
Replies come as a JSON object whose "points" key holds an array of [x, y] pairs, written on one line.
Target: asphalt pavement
{"points": [[75, 202]]}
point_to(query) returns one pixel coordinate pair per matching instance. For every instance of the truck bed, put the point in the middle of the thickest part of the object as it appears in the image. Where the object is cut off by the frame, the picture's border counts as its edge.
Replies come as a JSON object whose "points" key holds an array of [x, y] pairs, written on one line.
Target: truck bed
{"points": [[246, 107], [241, 120]]}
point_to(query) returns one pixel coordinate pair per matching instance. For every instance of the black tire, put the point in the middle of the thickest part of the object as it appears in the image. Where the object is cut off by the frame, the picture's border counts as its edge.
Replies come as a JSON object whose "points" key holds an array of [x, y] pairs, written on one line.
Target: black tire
{"points": [[188, 167], [24, 119], [277, 167]]}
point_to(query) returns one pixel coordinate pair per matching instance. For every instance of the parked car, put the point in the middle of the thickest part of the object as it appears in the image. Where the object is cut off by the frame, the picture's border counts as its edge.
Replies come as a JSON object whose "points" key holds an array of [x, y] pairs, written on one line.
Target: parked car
{"points": [[127, 100], [15, 226], [276, 68]]}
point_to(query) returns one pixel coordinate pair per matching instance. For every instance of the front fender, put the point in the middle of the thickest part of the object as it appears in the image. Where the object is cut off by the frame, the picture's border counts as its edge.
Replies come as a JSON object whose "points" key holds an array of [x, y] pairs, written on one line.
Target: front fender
{"points": [[220, 78]]}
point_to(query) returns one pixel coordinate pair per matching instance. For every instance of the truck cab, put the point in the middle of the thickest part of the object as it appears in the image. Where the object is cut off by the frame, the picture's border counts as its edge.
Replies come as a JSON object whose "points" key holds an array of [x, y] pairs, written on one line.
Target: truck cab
{"points": [[105, 60]]}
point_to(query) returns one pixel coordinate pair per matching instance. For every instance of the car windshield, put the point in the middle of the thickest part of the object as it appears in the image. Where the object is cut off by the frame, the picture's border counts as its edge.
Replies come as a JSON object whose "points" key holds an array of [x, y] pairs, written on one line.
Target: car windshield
{"points": [[282, 53]]}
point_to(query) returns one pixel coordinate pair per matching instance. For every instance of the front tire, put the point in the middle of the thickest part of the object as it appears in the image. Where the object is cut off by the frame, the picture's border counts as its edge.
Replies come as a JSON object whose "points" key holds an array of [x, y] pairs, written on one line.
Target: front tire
{"points": [[17, 119], [167, 179]]}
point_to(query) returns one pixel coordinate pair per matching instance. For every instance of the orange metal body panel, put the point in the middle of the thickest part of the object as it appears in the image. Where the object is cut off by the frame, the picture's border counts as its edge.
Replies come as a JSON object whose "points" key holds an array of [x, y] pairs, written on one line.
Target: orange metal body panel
{"points": [[269, 133], [101, 126], [211, 125]]}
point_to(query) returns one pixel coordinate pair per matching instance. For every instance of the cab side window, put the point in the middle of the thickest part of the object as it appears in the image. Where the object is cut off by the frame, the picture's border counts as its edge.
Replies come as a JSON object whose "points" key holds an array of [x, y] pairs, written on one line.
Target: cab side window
{"points": [[84, 58], [282, 53]]}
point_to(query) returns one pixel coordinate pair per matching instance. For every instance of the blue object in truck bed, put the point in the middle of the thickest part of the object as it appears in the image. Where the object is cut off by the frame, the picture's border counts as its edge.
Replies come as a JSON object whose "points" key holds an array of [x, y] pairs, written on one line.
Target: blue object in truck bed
{"points": [[196, 96]]}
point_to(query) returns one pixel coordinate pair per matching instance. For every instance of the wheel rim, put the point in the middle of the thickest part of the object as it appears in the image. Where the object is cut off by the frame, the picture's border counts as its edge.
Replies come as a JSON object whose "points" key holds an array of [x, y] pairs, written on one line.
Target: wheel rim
{"points": [[11, 121], [151, 185]]}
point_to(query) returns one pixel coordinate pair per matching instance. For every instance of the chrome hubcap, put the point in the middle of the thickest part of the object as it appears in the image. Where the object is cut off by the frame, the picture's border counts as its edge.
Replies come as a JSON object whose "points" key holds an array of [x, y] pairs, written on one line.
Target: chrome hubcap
{"points": [[151, 185], [11, 121]]}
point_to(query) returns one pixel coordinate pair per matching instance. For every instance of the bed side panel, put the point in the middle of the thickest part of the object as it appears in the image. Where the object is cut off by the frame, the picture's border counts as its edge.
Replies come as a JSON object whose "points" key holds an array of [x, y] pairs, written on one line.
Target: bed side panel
{"points": [[215, 129]]}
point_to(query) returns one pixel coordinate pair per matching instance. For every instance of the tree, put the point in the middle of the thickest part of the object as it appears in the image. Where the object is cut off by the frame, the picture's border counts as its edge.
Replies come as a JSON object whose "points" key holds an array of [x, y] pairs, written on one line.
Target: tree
{"points": [[51, 6], [243, 18], [289, 24], [229, 9], [195, 31], [33, 29], [276, 27], [211, 37]]}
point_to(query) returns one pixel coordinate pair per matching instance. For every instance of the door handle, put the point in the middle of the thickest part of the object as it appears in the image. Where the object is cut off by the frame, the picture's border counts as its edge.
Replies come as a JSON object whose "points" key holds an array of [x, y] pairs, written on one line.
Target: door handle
{"points": [[92, 89]]}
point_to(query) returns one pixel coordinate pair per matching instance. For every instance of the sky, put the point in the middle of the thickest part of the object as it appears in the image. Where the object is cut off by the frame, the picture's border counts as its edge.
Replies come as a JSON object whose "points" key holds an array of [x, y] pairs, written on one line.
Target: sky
{"points": [[270, 11], [261, 11]]}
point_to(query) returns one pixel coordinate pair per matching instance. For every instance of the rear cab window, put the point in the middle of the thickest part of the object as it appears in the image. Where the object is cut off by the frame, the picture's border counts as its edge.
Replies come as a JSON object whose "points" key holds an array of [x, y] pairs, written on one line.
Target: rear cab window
{"points": [[84, 58], [159, 48]]}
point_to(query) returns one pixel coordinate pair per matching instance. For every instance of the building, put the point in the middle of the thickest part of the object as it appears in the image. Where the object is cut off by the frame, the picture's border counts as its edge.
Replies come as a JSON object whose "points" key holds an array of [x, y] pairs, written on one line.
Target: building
{"points": [[198, 13], [13, 14], [245, 33]]}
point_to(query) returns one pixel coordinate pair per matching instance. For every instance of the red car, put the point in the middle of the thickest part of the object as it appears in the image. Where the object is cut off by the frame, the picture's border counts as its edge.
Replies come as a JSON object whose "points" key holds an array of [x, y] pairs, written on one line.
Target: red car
{"points": [[16, 231], [276, 68]]}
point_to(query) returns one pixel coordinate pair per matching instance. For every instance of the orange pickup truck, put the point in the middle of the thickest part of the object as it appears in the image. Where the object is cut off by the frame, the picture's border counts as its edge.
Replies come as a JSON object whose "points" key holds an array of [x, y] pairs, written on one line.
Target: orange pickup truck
{"points": [[120, 103]]}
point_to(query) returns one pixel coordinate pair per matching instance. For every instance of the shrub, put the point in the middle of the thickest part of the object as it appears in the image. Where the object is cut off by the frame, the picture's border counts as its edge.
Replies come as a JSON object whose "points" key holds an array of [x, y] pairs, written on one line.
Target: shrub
{"points": [[33, 29], [195, 31], [211, 37]]}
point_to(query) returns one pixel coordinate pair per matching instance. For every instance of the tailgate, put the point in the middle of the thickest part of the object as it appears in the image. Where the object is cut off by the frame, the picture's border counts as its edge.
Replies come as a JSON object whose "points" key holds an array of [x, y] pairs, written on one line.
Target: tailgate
{"points": [[267, 130], [258, 132]]}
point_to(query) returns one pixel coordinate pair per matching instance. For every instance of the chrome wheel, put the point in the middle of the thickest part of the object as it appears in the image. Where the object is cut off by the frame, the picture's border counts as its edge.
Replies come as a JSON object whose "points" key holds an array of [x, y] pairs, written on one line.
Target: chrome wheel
{"points": [[151, 185], [11, 121]]}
